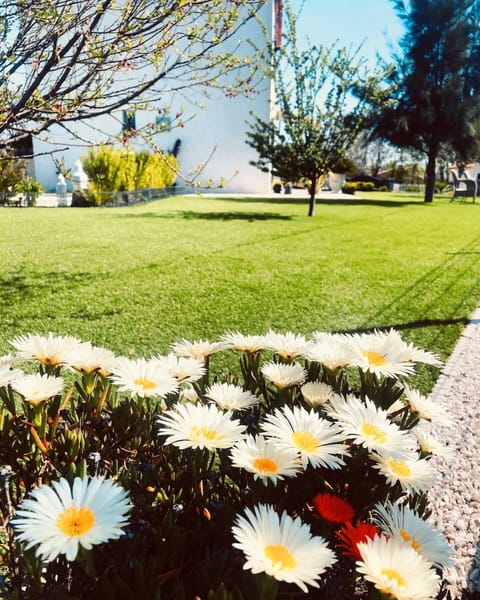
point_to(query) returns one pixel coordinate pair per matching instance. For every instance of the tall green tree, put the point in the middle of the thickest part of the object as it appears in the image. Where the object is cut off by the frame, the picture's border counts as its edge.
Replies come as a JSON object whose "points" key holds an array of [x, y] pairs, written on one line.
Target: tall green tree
{"points": [[435, 89], [70, 60], [322, 99]]}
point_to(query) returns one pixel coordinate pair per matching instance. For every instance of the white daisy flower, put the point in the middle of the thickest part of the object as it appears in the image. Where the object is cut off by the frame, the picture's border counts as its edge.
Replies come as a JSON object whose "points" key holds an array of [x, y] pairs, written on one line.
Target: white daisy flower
{"points": [[402, 523], [188, 394], [282, 547], [425, 408], [199, 349], [396, 570], [8, 360], [414, 354], [36, 388], [316, 393], [317, 441], [86, 358], [184, 369], [7, 374], [199, 426], [382, 353], [284, 376], [331, 350], [327, 336], [143, 378], [60, 519], [369, 426], [414, 475], [396, 410], [243, 343], [287, 345], [265, 459], [49, 350], [230, 397], [423, 356], [430, 444]]}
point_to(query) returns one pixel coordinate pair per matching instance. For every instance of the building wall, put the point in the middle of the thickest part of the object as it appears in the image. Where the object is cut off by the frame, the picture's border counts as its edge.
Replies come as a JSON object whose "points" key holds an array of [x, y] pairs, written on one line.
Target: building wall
{"points": [[215, 134]]}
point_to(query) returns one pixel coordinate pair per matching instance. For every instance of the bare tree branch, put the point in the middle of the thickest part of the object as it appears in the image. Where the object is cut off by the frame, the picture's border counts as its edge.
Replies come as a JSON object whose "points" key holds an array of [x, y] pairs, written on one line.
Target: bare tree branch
{"points": [[70, 60]]}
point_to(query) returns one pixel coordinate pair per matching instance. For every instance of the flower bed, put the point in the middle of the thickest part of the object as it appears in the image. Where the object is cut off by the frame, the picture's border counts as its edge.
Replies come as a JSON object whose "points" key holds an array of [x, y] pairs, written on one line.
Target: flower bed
{"points": [[303, 475]]}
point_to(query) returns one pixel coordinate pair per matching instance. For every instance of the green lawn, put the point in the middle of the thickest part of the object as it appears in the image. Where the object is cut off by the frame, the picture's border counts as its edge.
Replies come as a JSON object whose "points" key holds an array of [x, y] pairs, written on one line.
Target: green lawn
{"points": [[137, 279]]}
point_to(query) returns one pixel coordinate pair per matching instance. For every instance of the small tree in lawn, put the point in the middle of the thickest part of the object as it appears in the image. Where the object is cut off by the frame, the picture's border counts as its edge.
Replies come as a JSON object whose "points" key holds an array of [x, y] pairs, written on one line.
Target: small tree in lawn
{"points": [[321, 95]]}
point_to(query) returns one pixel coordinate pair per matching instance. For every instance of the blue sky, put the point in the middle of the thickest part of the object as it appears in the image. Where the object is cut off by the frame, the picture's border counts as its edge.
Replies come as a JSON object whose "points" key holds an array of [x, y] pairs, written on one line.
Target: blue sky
{"points": [[351, 22]]}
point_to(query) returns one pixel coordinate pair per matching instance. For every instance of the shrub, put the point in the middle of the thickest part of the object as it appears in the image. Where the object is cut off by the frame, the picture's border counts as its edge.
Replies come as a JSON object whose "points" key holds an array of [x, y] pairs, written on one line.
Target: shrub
{"points": [[112, 169], [364, 186], [349, 187], [163, 169], [343, 164], [442, 186], [413, 187], [154, 170], [12, 173], [31, 190]]}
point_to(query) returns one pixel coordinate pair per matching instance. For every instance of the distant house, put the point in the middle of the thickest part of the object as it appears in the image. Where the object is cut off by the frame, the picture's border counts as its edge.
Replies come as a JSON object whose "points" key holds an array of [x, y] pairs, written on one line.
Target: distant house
{"points": [[214, 136], [470, 170]]}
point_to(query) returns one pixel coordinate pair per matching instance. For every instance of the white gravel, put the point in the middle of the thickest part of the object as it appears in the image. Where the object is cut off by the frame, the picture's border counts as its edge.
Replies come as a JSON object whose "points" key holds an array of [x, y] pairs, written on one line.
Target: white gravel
{"points": [[455, 498]]}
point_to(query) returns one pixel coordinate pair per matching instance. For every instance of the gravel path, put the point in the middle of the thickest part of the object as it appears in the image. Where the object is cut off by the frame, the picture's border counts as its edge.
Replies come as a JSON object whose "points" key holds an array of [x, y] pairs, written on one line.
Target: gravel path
{"points": [[455, 498]]}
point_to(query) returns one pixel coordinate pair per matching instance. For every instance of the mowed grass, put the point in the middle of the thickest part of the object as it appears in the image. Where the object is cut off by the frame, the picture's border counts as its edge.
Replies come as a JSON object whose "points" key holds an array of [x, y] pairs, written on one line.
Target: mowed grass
{"points": [[138, 279]]}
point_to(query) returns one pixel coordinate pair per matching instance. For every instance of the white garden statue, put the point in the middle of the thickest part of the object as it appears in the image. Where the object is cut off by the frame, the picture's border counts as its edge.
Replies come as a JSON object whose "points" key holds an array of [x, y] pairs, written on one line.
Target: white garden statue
{"points": [[79, 177], [61, 189]]}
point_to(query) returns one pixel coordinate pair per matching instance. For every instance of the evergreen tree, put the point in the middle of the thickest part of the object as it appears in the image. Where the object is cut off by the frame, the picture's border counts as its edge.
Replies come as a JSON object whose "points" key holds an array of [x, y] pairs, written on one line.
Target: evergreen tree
{"points": [[435, 93]]}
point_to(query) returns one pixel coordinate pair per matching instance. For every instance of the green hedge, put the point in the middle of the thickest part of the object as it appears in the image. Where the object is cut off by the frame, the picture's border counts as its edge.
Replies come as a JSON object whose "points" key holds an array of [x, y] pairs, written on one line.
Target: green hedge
{"points": [[349, 188]]}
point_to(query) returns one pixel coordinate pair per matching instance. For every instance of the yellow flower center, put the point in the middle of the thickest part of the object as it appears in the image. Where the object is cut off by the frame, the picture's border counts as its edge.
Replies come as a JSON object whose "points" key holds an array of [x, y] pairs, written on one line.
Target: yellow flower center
{"points": [[276, 553], [147, 384], [374, 433], [399, 467], [305, 441], [76, 521], [375, 358], [287, 355], [197, 433], [393, 575], [408, 538], [265, 465], [49, 360]]}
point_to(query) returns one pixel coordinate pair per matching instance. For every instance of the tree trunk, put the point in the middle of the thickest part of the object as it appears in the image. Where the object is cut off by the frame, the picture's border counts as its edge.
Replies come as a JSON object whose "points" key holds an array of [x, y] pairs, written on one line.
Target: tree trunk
{"points": [[430, 173], [313, 190]]}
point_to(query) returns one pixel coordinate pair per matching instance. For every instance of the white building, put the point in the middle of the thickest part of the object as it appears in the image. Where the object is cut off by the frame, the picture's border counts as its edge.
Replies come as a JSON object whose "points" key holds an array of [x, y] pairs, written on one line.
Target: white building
{"points": [[215, 135]]}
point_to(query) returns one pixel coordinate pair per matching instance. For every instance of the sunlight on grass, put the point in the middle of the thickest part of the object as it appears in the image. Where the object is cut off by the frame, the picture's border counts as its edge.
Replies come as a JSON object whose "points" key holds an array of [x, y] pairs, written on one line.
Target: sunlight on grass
{"points": [[137, 279]]}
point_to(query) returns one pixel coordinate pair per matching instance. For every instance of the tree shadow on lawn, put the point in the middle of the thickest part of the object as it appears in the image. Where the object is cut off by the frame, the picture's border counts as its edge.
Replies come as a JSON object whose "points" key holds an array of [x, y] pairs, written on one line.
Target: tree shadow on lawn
{"points": [[20, 285], [353, 201], [211, 216], [406, 326]]}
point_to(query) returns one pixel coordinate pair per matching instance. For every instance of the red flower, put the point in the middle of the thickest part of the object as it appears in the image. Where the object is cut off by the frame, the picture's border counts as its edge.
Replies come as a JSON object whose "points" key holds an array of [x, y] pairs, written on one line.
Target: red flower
{"points": [[333, 508], [350, 535]]}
